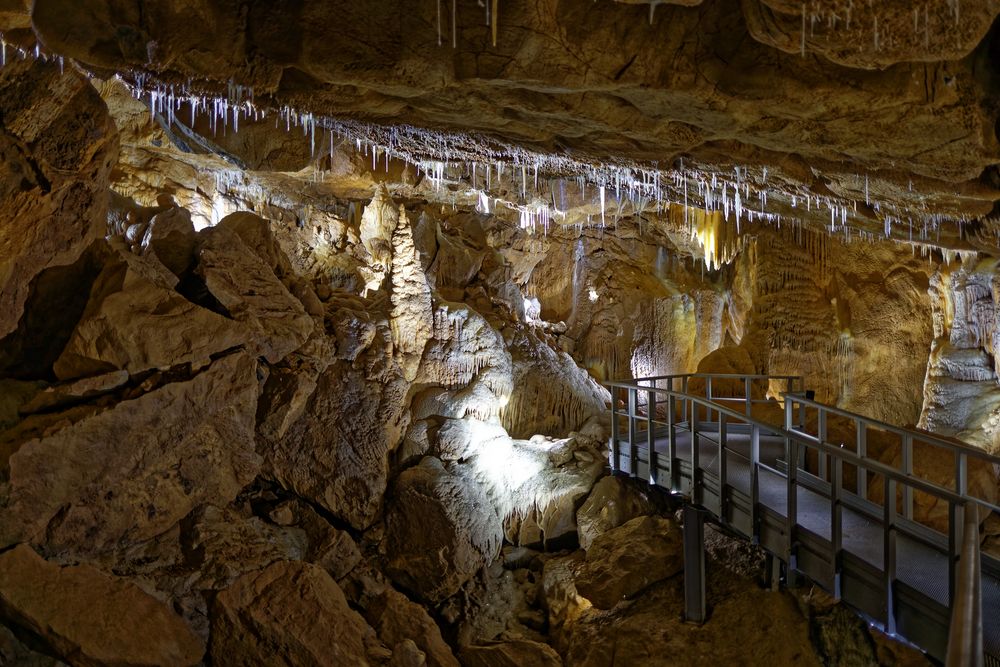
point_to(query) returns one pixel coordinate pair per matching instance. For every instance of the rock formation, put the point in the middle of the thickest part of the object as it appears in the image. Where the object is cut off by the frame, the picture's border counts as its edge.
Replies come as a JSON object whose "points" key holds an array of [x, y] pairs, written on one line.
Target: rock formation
{"points": [[305, 312]]}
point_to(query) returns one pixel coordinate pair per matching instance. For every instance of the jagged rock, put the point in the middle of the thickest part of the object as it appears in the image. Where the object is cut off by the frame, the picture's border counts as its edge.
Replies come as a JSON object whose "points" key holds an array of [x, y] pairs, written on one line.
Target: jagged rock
{"points": [[468, 360], [293, 613], [440, 529], [13, 652], [70, 392], [563, 603], [551, 394], [625, 560], [290, 385], [224, 545], [336, 454], [748, 625], [455, 263], [170, 236], [78, 611], [611, 503], [412, 317], [135, 321], [516, 653], [397, 619], [406, 654], [131, 471], [332, 549], [58, 145], [251, 293]]}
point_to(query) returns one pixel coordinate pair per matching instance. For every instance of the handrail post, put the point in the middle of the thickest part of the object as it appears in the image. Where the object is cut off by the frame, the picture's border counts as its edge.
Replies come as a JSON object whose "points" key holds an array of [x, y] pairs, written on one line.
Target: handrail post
{"points": [[791, 500], [695, 477], [889, 554], [861, 449], [836, 523], [650, 433], [672, 442], [821, 456], [723, 434], [684, 390], [747, 390], [754, 483], [633, 454], [907, 470], [615, 444], [965, 636]]}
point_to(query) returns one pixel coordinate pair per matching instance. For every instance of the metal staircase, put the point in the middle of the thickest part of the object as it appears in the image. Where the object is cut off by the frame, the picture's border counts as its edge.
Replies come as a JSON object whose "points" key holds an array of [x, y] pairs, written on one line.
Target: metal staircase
{"points": [[768, 471]]}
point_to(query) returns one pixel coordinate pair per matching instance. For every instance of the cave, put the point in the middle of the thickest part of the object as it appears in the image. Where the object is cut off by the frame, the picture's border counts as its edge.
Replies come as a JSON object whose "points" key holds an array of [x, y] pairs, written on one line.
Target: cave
{"points": [[495, 333]]}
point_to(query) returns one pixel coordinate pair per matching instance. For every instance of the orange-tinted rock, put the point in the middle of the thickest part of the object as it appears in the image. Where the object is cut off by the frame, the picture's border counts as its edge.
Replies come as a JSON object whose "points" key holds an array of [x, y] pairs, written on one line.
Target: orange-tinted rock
{"points": [[90, 617]]}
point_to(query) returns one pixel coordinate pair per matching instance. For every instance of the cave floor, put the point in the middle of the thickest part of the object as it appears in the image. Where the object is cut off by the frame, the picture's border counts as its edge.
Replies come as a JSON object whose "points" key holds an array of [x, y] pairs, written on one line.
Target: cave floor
{"points": [[919, 565]]}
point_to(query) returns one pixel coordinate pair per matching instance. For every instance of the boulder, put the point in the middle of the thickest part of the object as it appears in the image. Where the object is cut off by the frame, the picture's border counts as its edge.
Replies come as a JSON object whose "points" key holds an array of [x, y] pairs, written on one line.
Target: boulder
{"points": [[134, 321], [440, 529], [626, 560], [561, 600], [397, 619], [611, 503], [514, 653], [293, 614], [91, 618], [337, 453], [129, 472], [58, 145], [250, 292]]}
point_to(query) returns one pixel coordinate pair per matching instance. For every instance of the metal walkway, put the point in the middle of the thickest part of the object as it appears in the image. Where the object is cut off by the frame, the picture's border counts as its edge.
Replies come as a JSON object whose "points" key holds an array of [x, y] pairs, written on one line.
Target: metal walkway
{"points": [[819, 517]]}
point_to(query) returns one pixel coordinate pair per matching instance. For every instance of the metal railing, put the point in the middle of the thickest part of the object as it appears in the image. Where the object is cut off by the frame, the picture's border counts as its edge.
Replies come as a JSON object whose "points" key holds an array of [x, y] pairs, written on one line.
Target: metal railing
{"points": [[965, 636], [670, 409]]}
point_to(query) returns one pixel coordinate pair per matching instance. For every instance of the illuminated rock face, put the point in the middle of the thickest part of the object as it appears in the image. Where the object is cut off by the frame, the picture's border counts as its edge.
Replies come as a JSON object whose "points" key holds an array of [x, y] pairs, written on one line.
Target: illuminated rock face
{"points": [[285, 393]]}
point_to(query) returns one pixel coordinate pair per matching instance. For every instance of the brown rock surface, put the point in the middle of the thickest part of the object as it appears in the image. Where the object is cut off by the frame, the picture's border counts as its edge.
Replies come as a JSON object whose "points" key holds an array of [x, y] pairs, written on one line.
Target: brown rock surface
{"points": [[625, 560], [440, 530], [517, 653], [135, 321], [397, 619], [294, 614], [58, 145], [134, 470], [90, 617], [611, 503]]}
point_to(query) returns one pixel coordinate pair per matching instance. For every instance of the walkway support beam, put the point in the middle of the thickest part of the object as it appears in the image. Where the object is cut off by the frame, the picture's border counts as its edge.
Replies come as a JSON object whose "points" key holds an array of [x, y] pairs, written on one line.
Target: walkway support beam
{"points": [[695, 606]]}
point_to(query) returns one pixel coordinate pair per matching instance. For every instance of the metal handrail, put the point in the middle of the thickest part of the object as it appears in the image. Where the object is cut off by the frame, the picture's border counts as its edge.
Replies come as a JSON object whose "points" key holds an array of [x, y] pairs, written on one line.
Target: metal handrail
{"points": [[959, 544], [845, 455], [923, 436], [965, 637]]}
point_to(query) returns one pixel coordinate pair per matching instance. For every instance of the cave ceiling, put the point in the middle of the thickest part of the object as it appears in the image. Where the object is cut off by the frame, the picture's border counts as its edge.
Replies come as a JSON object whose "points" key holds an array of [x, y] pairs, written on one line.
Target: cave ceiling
{"points": [[863, 118]]}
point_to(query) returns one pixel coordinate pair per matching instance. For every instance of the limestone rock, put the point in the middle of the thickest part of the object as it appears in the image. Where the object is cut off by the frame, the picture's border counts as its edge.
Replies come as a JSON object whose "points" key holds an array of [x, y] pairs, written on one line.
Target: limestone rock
{"points": [[332, 549], [13, 652], [223, 545], [135, 321], [515, 653], [79, 390], [170, 236], [295, 614], [406, 654], [611, 503], [440, 529], [397, 619], [625, 560], [412, 317], [337, 453], [563, 602], [78, 612], [58, 145], [551, 394], [251, 293], [132, 471]]}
